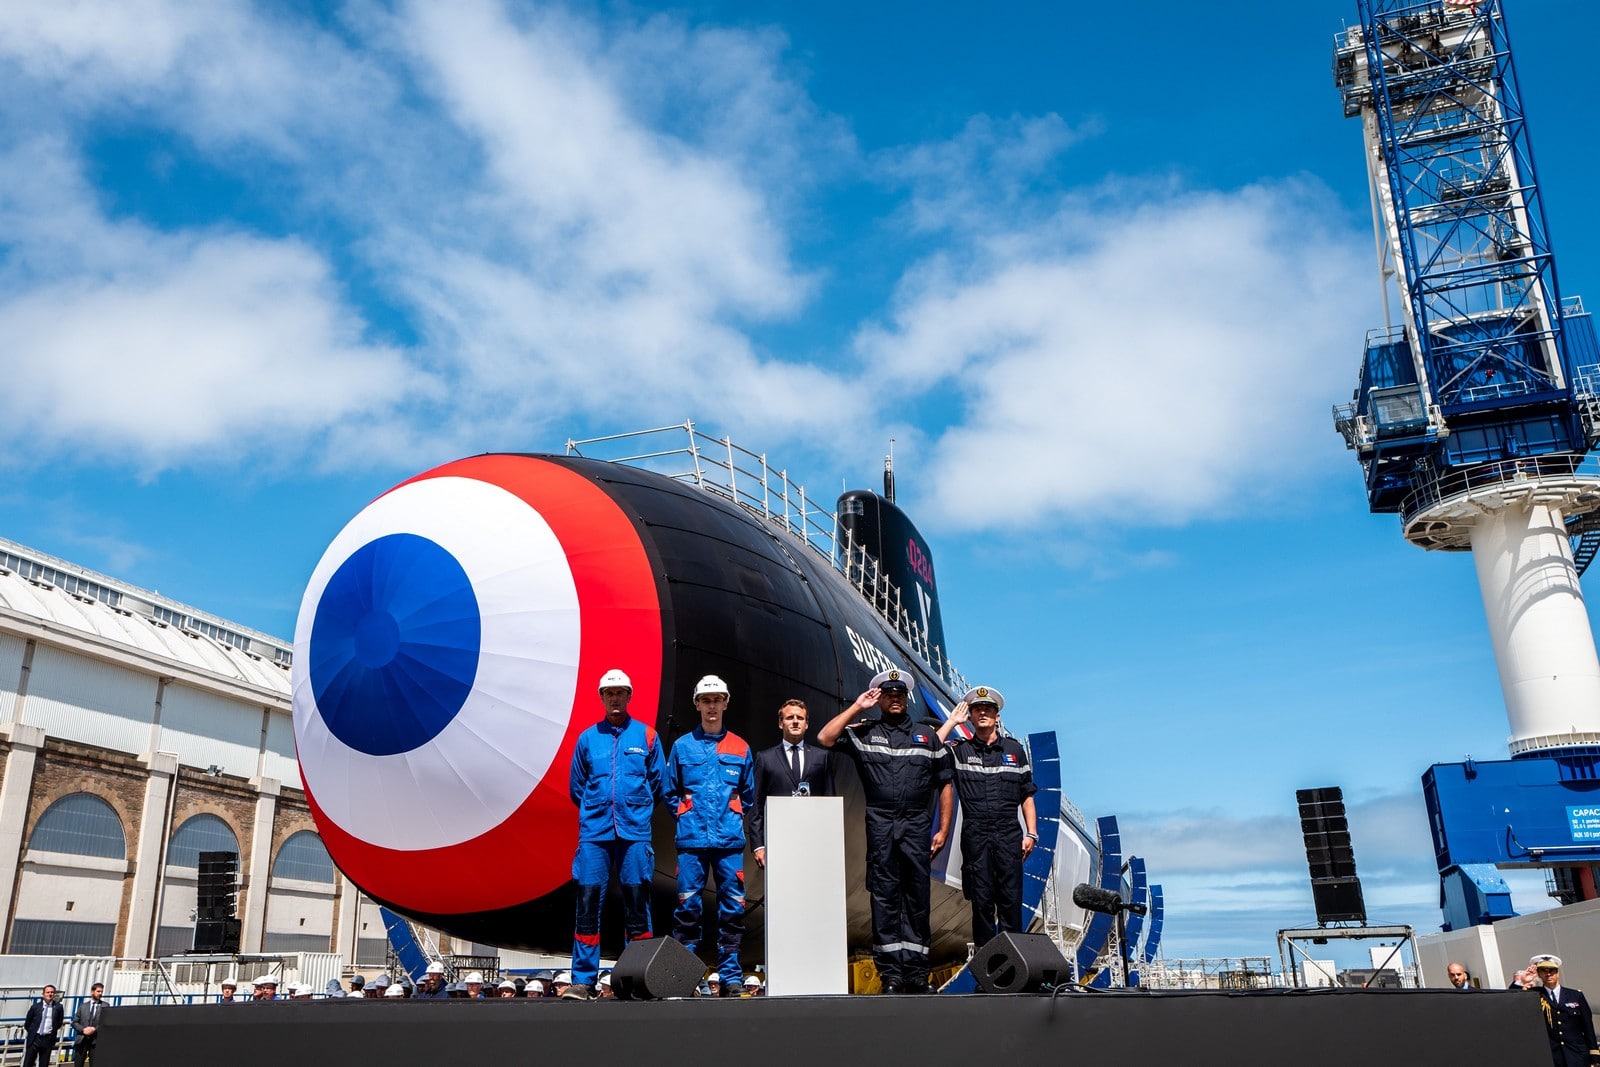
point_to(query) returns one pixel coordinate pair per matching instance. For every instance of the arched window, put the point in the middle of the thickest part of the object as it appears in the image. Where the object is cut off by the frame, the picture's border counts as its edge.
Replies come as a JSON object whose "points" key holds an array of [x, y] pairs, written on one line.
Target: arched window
{"points": [[304, 856], [201, 833], [82, 824]]}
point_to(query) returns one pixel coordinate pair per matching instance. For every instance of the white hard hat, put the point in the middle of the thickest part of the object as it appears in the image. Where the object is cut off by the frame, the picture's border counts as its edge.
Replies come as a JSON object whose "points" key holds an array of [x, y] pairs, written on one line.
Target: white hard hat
{"points": [[564, 978], [506, 983], [231, 980], [396, 990], [266, 979], [534, 986], [435, 967], [475, 976], [615, 679], [710, 684], [753, 981]]}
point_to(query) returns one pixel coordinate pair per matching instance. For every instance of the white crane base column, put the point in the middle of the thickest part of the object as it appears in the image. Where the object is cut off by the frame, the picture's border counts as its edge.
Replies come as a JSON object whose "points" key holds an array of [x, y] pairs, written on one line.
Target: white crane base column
{"points": [[1543, 645]]}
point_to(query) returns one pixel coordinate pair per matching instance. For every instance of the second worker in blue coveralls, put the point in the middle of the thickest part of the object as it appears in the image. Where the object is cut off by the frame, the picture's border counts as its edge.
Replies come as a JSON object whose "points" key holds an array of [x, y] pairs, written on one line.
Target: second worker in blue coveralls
{"points": [[710, 785], [616, 781]]}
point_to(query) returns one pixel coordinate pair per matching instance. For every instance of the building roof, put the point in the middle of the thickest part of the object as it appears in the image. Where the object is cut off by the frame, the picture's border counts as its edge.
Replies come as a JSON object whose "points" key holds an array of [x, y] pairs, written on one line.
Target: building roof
{"points": [[41, 592]]}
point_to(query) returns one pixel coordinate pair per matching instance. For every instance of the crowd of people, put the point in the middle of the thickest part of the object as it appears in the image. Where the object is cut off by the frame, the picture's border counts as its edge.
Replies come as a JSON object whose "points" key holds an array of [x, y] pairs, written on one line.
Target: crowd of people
{"points": [[717, 790], [434, 986]]}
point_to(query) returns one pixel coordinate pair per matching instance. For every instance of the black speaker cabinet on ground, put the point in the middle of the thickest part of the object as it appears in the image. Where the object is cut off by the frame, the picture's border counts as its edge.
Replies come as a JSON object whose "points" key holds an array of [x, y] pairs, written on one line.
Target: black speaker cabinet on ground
{"points": [[1019, 963], [656, 968]]}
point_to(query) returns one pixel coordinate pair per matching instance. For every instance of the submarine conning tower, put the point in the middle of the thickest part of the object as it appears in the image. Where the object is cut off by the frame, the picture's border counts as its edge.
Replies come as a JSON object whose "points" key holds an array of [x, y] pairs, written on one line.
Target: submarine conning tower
{"points": [[889, 561], [1476, 409]]}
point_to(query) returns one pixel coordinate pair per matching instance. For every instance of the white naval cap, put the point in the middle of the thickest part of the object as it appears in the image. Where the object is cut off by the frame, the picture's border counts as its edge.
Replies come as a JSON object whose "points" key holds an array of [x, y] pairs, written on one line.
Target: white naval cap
{"points": [[984, 694], [1545, 960], [893, 678]]}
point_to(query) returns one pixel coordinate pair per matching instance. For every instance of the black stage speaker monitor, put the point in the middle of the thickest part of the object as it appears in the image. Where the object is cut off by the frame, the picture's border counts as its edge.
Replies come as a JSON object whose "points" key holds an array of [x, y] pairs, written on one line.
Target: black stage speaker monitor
{"points": [[656, 968], [1019, 963]]}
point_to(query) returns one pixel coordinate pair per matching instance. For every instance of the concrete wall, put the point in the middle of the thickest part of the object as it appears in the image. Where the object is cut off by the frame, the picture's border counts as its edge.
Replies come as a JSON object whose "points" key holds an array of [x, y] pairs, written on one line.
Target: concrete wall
{"points": [[1495, 953]]}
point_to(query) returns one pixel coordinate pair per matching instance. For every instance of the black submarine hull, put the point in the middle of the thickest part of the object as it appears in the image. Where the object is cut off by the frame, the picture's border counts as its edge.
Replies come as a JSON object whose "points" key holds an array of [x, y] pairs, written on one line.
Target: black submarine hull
{"points": [[672, 582]]}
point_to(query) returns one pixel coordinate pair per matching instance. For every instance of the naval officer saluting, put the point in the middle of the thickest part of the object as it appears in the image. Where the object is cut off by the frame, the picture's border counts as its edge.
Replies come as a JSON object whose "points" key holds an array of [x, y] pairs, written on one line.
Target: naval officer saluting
{"points": [[903, 766]]}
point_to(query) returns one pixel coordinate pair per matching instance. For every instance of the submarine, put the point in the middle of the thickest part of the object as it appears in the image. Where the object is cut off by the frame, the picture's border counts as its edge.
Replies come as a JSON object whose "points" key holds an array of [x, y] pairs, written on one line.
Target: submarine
{"points": [[451, 639]]}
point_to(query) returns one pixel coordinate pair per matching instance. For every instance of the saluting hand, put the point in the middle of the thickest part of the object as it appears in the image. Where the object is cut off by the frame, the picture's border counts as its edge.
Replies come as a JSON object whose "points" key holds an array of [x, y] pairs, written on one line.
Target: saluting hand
{"points": [[869, 699], [959, 714]]}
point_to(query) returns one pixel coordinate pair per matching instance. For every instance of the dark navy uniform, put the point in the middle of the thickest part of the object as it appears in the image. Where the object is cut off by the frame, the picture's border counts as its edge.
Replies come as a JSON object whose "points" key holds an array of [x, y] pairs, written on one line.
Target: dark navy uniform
{"points": [[992, 781], [1571, 1026], [902, 765]]}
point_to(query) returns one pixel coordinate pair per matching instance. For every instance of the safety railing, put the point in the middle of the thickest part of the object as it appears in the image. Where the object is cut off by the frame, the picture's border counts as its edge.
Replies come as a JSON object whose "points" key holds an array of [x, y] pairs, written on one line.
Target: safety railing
{"points": [[1508, 472], [750, 480]]}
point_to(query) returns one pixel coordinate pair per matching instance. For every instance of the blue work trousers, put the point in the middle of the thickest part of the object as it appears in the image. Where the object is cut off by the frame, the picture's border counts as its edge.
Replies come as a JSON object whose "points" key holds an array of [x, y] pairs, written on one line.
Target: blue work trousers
{"points": [[596, 862], [694, 864]]}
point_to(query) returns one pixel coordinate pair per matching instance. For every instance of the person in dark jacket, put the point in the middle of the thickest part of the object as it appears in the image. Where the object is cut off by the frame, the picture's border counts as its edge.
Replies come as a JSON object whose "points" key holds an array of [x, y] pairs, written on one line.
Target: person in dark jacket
{"points": [[616, 780], [904, 769], [86, 1021], [791, 768], [995, 785], [710, 785], [1566, 1016], [43, 1024]]}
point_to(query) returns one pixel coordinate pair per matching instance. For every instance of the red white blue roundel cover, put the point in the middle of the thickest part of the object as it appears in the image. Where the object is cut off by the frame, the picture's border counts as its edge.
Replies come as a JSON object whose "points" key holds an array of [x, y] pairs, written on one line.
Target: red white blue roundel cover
{"points": [[447, 655]]}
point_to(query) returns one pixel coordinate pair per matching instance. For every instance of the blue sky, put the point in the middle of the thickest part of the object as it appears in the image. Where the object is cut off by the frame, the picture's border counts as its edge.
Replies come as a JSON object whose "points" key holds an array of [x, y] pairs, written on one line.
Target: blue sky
{"points": [[1101, 274]]}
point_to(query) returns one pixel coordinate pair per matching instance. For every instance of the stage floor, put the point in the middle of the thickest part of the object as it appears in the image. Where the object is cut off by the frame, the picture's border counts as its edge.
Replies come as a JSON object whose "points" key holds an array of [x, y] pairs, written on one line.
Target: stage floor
{"points": [[1301, 1028]]}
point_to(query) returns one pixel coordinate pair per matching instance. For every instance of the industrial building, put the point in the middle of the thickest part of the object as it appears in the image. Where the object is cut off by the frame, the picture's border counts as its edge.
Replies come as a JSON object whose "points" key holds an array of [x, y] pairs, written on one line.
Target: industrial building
{"points": [[135, 733]]}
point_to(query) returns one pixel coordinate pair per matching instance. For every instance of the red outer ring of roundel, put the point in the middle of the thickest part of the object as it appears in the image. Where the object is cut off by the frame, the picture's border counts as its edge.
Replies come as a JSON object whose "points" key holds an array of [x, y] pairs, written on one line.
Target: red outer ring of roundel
{"points": [[530, 853]]}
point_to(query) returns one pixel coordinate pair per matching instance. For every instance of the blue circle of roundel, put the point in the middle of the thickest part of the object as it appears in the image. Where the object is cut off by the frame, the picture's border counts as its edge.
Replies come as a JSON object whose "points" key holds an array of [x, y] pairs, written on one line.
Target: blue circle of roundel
{"points": [[394, 646]]}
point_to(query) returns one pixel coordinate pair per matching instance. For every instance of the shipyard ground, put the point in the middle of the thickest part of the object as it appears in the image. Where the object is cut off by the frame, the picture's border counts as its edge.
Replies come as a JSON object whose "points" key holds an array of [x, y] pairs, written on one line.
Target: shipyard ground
{"points": [[1195, 1029]]}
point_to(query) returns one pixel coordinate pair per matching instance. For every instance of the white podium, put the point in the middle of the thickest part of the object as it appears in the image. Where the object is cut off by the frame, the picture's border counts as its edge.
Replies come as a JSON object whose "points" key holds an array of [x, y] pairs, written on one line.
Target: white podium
{"points": [[806, 928]]}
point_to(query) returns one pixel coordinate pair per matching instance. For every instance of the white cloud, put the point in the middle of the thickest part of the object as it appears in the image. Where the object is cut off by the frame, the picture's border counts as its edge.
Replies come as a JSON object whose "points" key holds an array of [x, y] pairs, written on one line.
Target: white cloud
{"points": [[126, 344], [1131, 360]]}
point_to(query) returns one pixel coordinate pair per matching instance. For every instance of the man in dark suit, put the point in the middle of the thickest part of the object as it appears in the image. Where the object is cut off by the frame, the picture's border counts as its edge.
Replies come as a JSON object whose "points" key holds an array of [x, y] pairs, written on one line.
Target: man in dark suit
{"points": [[791, 768], [43, 1023], [86, 1021], [1566, 1016]]}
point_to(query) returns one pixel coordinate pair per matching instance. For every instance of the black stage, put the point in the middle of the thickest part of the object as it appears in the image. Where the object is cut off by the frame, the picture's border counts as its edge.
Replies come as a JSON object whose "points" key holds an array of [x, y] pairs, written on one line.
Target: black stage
{"points": [[1196, 1029]]}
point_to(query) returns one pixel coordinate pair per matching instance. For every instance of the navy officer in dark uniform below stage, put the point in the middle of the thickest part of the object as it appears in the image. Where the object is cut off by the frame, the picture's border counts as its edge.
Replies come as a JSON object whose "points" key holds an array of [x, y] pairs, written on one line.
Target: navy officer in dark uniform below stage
{"points": [[1566, 1015], [791, 768], [994, 782], [903, 767]]}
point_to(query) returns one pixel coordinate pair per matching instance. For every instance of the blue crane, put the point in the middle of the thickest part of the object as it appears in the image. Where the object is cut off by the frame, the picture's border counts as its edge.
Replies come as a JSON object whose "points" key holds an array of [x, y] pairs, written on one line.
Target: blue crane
{"points": [[1476, 409]]}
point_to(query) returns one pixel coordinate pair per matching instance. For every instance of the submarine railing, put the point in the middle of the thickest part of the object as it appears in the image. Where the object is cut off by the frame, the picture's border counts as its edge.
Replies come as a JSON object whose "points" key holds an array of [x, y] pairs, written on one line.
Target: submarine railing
{"points": [[753, 484]]}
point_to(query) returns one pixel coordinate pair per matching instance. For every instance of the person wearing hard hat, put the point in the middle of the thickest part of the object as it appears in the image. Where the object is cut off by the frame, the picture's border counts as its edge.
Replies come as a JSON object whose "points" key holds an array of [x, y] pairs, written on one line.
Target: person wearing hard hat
{"points": [[433, 985], [754, 987], [358, 985], [506, 989], [264, 989], [616, 781], [903, 768], [230, 991], [395, 992], [994, 782], [603, 991], [710, 785], [379, 988], [474, 983]]}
